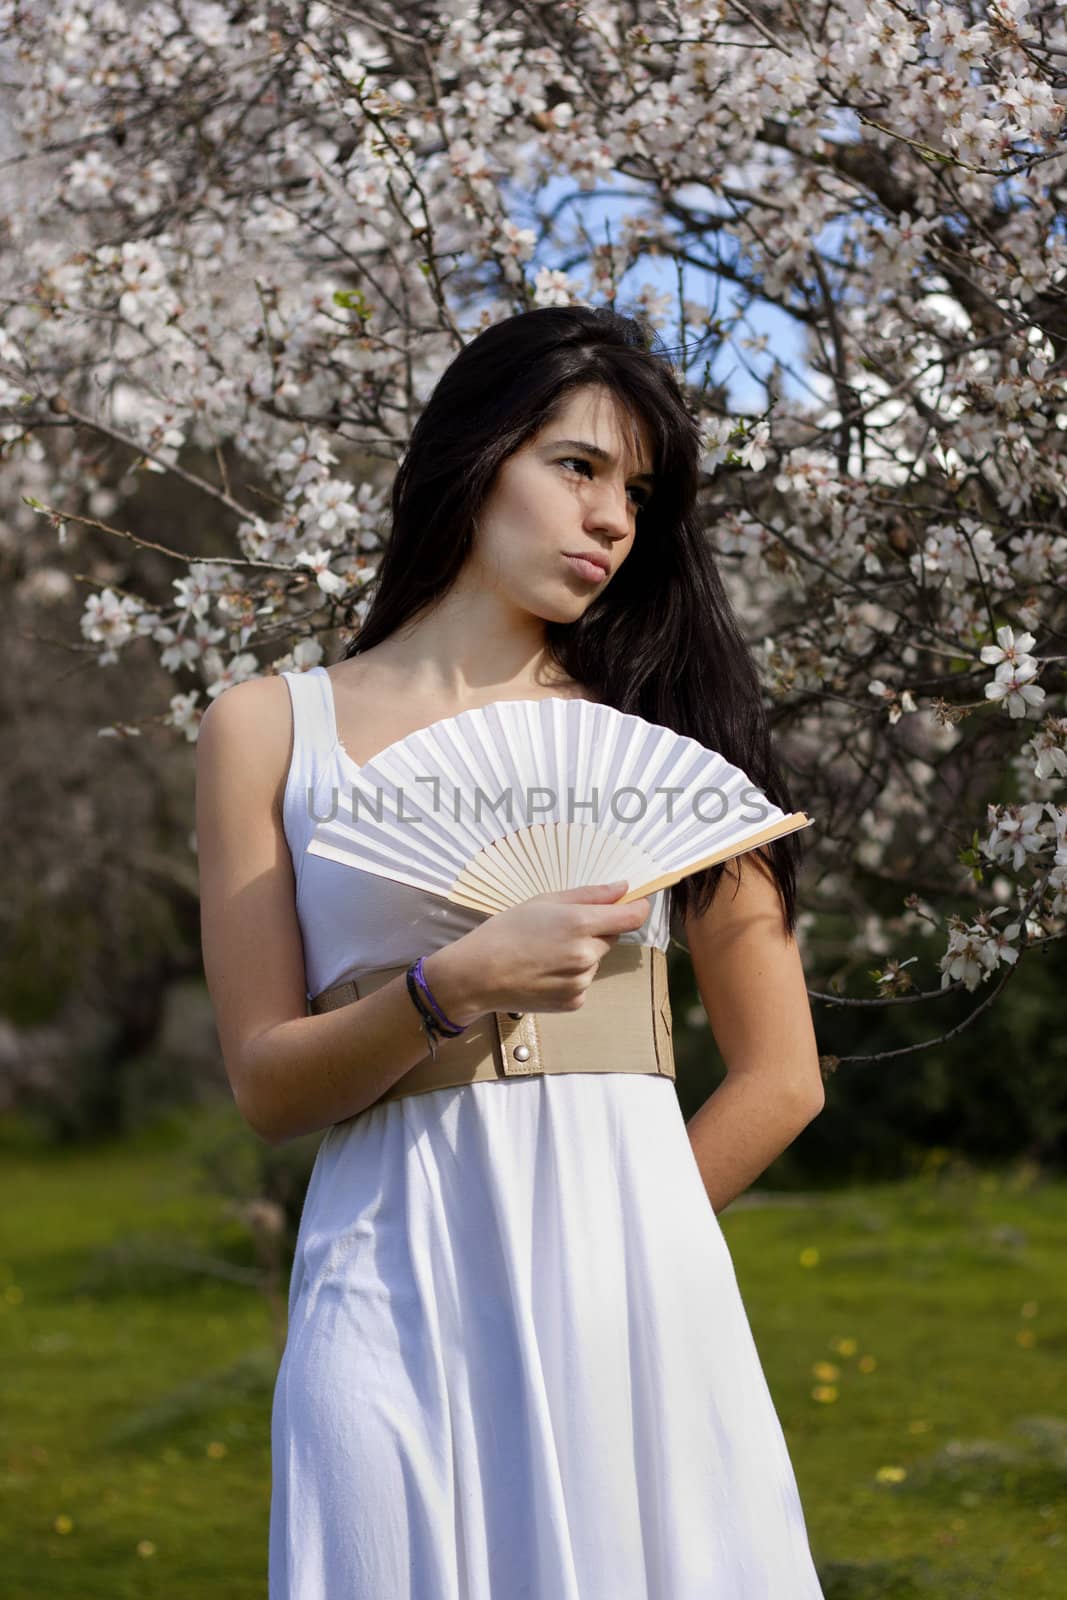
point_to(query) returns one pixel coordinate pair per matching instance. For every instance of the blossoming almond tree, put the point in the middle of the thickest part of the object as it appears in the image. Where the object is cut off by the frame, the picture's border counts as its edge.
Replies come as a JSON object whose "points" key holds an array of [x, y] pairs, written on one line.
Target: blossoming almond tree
{"points": [[257, 233]]}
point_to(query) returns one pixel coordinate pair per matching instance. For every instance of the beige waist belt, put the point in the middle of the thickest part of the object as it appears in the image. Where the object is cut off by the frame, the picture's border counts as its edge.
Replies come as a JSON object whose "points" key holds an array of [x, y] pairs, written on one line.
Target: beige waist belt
{"points": [[623, 1025]]}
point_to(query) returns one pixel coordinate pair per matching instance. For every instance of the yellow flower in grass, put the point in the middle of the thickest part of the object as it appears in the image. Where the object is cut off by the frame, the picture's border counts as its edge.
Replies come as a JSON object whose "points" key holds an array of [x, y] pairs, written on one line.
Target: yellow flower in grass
{"points": [[891, 1474], [809, 1257], [844, 1347], [825, 1392], [145, 1547], [1026, 1337], [216, 1449], [866, 1363], [826, 1371], [63, 1523]]}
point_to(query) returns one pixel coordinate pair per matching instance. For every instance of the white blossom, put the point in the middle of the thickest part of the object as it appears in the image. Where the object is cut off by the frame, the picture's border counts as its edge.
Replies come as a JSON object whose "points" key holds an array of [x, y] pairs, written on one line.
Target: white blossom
{"points": [[223, 675], [882, 466], [1009, 648], [319, 562], [109, 619], [975, 951], [1015, 688], [183, 714]]}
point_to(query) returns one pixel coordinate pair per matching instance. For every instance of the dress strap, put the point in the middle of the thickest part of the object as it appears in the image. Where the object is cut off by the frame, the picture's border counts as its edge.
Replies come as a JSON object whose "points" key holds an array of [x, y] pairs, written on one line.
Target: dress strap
{"points": [[314, 725], [314, 740], [328, 714]]}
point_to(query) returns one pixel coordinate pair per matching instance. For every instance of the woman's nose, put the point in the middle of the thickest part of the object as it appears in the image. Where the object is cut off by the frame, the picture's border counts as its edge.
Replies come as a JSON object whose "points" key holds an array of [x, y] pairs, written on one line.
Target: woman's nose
{"points": [[612, 511]]}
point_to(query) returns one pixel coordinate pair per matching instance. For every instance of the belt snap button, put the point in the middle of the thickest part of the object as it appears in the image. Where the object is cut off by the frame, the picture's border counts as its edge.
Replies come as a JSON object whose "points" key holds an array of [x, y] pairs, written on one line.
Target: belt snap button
{"points": [[515, 1015], [521, 1052]]}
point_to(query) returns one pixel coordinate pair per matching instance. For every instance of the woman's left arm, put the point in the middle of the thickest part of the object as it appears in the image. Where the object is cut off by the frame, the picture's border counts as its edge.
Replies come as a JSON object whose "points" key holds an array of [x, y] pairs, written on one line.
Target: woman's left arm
{"points": [[751, 981]]}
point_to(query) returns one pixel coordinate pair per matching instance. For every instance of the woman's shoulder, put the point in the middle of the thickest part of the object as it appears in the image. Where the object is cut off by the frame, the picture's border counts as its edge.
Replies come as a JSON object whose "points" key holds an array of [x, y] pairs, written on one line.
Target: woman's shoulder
{"points": [[244, 703], [253, 720]]}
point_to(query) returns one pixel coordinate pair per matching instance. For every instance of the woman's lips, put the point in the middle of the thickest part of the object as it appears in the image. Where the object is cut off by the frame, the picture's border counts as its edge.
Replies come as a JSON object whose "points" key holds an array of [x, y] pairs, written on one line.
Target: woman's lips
{"points": [[587, 569]]}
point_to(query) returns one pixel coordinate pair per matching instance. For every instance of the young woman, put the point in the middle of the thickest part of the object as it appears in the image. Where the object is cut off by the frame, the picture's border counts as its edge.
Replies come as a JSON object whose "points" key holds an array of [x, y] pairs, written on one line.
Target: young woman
{"points": [[518, 1365]]}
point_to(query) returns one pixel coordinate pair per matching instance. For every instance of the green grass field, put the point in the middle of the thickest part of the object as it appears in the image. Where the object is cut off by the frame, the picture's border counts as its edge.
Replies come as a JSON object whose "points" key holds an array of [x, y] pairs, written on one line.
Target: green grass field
{"points": [[913, 1337]]}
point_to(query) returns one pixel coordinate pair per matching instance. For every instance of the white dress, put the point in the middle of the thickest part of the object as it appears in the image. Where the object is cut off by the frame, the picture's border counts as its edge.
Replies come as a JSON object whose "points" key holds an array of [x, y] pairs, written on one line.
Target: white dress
{"points": [[518, 1365]]}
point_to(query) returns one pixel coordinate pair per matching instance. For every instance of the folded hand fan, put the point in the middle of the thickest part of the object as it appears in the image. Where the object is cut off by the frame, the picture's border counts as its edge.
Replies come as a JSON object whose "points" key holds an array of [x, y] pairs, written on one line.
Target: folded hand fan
{"points": [[523, 797]]}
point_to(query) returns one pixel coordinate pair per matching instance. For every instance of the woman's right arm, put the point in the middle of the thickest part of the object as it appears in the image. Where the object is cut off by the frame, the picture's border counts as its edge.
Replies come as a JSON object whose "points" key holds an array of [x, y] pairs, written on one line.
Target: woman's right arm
{"points": [[290, 1073]]}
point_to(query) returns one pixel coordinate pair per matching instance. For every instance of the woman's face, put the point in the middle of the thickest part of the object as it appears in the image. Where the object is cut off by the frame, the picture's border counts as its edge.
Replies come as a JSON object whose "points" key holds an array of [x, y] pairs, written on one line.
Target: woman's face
{"points": [[574, 490]]}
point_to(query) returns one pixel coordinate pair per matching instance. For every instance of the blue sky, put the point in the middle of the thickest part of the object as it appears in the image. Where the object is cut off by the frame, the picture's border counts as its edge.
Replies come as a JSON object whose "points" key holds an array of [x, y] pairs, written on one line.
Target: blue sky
{"points": [[730, 364]]}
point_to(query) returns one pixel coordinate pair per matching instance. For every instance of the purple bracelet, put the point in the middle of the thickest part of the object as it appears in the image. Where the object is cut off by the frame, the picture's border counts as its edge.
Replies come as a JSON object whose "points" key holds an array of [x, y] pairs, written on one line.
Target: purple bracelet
{"points": [[434, 1021], [420, 979]]}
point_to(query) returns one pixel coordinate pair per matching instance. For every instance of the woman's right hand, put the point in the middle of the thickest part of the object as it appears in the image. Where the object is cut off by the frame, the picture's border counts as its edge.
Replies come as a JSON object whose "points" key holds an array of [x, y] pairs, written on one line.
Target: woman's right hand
{"points": [[541, 955]]}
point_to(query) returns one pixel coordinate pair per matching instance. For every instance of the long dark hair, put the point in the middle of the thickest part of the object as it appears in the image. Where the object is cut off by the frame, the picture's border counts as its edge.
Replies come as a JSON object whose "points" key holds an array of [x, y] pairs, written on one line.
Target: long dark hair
{"points": [[662, 640]]}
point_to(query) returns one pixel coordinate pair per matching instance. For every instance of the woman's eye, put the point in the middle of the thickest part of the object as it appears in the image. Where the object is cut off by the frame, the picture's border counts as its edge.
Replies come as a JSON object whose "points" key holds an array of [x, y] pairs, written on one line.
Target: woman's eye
{"points": [[577, 461]]}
